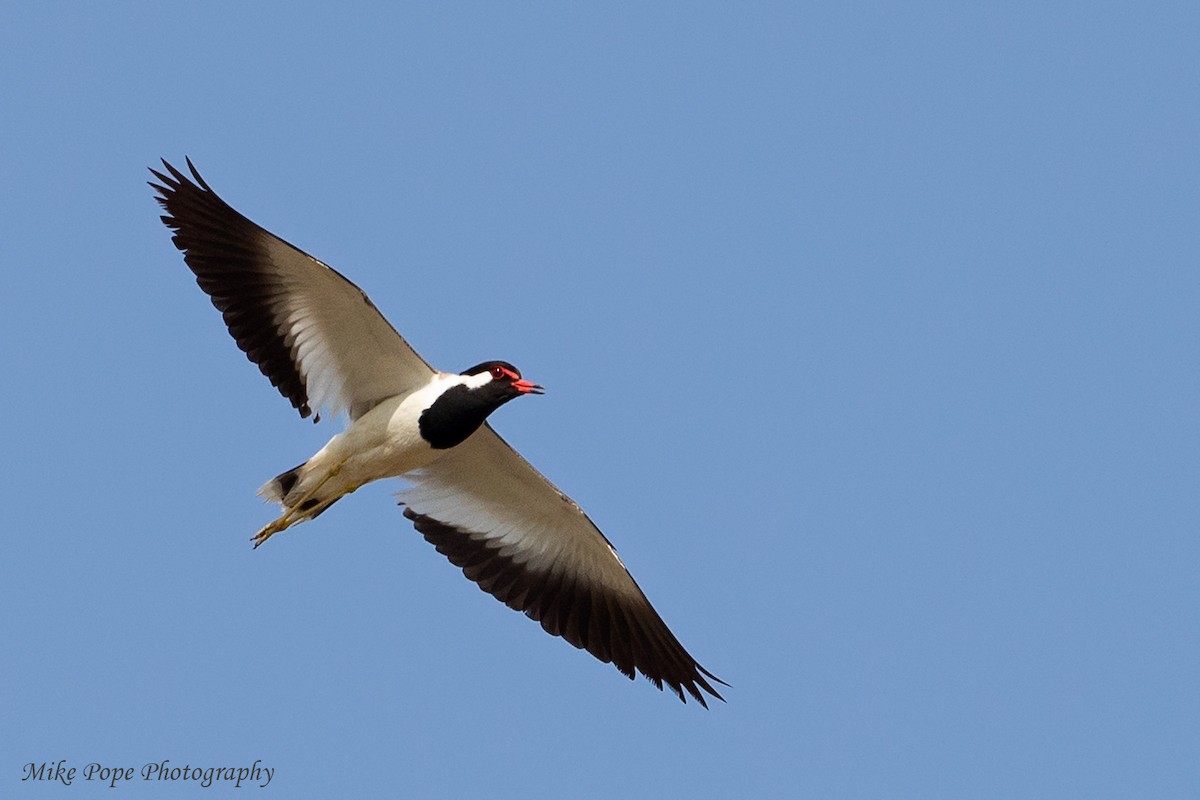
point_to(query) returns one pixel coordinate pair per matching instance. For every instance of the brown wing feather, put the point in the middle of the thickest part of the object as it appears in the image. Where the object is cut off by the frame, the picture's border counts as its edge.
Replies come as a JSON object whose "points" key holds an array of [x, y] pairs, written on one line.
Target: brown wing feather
{"points": [[623, 630], [223, 248]]}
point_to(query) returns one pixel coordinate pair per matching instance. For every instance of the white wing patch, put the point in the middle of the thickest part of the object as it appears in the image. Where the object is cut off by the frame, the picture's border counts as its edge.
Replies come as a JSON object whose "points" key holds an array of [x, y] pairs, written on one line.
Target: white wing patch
{"points": [[347, 353], [528, 545], [313, 333], [485, 488]]}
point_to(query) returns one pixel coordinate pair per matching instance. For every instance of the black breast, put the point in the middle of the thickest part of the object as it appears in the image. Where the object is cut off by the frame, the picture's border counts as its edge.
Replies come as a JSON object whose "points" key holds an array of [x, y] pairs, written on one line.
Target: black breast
{"points": [[459, 412]]}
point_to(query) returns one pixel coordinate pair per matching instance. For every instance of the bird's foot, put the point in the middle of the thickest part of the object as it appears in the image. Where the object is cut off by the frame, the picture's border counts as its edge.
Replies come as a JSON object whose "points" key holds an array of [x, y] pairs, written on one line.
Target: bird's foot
{"points": [[306, 507], [281, 524]]}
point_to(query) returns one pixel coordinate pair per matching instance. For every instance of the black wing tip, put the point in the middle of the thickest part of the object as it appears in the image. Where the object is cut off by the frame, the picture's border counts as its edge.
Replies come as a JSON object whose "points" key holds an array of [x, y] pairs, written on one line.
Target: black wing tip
{"points": [[692, 686], [206, 229], [175, 179], [685, 677]]}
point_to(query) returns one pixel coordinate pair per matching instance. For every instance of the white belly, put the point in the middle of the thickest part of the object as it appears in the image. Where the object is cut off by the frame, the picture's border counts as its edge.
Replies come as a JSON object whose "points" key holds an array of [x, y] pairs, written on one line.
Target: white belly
{"points": [[383, 443]]}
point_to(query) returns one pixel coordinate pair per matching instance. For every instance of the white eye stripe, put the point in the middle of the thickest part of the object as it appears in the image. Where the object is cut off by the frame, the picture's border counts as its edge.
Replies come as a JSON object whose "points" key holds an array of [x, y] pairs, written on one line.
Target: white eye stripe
{"points": [[472, 381]]}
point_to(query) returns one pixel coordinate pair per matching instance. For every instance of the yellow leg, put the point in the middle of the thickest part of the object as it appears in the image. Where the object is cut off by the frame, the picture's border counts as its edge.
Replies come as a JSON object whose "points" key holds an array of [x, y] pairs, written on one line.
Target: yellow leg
{"points": [[293, 514]]}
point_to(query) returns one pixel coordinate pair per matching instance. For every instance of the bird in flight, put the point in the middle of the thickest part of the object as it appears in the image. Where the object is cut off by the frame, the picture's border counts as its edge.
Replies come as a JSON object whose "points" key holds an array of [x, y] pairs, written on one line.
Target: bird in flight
{"points": [[322, 343]]}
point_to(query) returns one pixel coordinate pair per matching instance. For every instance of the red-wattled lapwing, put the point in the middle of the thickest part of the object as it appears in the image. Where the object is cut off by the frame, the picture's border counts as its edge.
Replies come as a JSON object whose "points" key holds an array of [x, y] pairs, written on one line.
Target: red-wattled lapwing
{"points": [[324, 345]]}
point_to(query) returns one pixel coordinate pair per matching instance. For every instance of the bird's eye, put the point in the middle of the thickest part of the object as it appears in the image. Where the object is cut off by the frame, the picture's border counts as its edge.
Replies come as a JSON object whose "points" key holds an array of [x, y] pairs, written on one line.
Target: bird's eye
{"points": [[497, 372]]}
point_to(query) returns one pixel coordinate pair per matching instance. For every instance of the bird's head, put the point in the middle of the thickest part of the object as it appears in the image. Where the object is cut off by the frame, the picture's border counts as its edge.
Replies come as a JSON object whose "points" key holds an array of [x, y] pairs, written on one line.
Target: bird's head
{"points": [[467, 401], [501, 380]]}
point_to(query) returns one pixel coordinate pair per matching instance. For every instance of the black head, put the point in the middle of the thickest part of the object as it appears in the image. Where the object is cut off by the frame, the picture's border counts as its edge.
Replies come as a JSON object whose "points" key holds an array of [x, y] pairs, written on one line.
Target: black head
{"points": [[505, 377], [463, 407]]}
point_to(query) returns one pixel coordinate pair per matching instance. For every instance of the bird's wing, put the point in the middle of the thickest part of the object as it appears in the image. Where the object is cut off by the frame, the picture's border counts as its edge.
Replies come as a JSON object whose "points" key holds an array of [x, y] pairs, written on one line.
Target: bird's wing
{"points": [[315, 335], [530, 546]]}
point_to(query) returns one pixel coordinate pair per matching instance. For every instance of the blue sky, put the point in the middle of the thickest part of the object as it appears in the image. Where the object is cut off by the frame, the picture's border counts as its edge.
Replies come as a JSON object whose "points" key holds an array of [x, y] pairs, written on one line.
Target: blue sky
{"points": [[869, 333]]}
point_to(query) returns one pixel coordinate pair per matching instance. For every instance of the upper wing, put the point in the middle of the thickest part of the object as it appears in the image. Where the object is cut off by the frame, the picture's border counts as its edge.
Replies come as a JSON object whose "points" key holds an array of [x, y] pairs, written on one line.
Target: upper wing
{"points": [[314, 334], [531, 547]]}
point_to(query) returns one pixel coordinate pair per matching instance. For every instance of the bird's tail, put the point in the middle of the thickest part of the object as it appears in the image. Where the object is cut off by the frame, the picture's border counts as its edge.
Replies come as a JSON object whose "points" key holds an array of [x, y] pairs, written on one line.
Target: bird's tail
{"points": [[282, 489], [278, 488]]}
